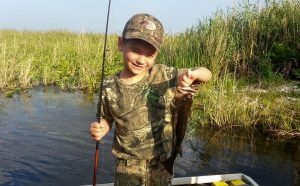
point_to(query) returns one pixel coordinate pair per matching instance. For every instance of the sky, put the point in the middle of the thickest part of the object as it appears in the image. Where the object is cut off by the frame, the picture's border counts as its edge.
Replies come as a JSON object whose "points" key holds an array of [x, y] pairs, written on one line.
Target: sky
{"points": [[90, 15]]}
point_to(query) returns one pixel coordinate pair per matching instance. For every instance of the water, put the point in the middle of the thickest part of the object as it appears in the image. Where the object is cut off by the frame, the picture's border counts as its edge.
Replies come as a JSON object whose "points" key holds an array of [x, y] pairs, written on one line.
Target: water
{"points": [[44, 140]]}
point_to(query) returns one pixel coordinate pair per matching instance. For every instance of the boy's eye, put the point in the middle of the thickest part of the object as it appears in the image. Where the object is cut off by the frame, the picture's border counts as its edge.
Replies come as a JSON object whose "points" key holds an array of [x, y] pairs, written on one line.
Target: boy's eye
{"points": [[140, 52], [151, 55], [135, 50]]}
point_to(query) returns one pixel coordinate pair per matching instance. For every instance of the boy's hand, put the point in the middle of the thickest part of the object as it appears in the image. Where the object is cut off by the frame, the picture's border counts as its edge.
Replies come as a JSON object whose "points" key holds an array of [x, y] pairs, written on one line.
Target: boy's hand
{"points": [[186, 78], [99, 130], [200, 74]]}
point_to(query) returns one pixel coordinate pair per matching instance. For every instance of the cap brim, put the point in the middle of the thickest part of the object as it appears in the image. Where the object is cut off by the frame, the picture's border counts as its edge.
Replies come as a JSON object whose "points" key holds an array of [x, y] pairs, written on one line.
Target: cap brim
{"points": [[138, 35]]}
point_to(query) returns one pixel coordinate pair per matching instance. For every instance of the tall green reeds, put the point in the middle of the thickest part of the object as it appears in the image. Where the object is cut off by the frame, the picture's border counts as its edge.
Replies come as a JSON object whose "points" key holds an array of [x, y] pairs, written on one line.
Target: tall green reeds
{"points": [[249, 44], [239, 41], [71, 61]]}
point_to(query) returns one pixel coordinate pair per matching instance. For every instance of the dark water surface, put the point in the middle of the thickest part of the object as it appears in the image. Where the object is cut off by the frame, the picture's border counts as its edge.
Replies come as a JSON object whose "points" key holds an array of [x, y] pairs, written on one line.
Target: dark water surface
{"points": [[44, 140]]}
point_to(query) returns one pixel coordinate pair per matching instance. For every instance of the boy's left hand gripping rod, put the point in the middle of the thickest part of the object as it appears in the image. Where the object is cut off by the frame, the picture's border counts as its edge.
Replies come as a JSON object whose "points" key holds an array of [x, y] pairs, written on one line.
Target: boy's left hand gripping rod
{"points": [[100, 96]]}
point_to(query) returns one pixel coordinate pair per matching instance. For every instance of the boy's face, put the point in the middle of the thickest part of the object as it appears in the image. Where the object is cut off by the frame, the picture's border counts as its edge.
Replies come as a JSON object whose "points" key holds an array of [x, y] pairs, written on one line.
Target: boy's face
{"points": [[138, 55]]}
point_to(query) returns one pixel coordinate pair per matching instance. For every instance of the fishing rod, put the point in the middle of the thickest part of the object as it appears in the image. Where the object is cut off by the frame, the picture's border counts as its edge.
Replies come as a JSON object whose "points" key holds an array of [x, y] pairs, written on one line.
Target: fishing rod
{"points": [[100, 96]]}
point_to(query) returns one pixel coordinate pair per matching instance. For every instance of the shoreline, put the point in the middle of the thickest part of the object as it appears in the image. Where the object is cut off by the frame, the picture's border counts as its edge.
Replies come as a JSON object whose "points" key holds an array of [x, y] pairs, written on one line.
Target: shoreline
{"points": [[284, 92]]}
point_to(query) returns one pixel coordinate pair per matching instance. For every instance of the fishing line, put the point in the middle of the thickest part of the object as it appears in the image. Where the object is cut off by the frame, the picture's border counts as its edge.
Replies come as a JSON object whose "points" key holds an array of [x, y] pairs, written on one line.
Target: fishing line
{"points": [[100, 96]]}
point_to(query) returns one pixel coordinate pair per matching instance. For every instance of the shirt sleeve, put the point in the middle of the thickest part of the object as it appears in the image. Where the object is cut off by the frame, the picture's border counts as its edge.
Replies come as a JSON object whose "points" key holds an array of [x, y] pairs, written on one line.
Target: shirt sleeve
{"points": [[171, 73], [103, 109]]}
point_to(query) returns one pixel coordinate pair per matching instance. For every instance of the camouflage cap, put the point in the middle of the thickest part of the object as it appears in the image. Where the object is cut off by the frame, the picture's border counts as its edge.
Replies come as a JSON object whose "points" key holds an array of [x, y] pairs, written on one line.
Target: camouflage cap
{"points": [[145, 27]]}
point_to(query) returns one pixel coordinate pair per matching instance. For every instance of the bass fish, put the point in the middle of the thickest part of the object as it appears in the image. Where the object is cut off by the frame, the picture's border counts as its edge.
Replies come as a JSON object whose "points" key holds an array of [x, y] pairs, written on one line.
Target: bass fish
{"points": [[181, 113]]}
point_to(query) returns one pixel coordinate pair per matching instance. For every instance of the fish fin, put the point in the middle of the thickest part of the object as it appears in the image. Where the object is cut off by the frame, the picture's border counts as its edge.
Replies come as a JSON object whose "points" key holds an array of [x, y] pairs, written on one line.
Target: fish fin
{"points": [[180, 151]]}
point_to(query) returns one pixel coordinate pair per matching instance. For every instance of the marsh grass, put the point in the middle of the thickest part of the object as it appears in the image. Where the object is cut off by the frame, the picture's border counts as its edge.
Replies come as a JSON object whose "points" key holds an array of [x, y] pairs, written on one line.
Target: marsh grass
{"points": [[71, 61], [261, 110], [238, 46], [241, 46]]}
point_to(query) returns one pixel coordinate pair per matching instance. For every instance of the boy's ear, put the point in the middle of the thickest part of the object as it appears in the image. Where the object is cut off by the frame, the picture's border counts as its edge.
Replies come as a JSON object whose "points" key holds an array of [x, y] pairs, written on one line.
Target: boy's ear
{"points": [[120, 43]]}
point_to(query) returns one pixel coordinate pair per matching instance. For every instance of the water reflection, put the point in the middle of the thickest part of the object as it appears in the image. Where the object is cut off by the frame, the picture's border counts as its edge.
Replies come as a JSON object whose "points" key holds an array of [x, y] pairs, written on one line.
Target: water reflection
{"points": [[269, 161], [44, 140]]}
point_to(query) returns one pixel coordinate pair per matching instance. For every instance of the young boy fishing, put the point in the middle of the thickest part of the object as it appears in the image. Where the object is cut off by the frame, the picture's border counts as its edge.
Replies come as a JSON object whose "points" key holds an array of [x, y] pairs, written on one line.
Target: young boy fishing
{"points": [[138, 100]]}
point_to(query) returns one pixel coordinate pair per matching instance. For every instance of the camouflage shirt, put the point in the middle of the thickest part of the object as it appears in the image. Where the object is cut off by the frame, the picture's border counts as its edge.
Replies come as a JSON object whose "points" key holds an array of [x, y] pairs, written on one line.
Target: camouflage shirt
{"points": [[141, 113]]}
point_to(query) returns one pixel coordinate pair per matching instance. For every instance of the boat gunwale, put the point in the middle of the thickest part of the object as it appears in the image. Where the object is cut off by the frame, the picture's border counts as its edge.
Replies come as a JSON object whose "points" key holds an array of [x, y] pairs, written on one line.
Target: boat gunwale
{"points": [[204, 179]]}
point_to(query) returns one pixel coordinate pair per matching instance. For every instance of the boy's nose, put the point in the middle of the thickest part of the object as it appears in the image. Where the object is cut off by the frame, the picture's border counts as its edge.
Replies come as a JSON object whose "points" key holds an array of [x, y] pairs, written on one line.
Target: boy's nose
{"points": [[141, 59]]}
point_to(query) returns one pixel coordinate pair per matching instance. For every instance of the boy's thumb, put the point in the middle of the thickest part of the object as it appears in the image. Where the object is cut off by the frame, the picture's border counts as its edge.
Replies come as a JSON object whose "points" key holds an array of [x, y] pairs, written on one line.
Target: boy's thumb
{"points": [[190, 75], [101, 125]]}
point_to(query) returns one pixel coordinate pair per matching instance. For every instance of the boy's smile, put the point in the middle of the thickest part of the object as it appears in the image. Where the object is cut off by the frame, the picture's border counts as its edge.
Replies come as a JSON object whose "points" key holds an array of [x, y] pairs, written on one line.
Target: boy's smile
{"points": [[139, 56]]}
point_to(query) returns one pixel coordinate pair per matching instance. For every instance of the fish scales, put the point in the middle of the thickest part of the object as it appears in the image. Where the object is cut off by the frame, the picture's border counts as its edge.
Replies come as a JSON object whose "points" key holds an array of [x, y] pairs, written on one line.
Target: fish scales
{"points": [[181, 113]]}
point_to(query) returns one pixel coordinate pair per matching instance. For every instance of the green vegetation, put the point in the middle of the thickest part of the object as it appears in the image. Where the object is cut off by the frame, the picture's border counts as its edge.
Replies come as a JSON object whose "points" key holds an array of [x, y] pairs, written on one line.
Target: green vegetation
{"points": [[71, 61], [252, 51]]}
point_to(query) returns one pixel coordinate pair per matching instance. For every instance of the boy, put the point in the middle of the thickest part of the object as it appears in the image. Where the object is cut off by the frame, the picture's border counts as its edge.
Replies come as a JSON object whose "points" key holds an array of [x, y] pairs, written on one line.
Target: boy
{"points": [[138, 100]]}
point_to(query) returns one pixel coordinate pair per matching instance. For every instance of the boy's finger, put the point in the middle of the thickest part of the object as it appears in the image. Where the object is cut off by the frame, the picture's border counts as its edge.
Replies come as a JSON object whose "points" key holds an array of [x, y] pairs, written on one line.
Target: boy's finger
{"points": [[189, 72], [184, 84], [97, 138], [97, 134], [188, 89], [95, 125], [185, 79]]}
